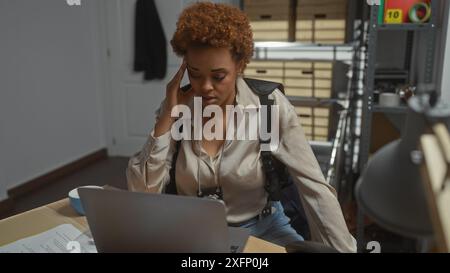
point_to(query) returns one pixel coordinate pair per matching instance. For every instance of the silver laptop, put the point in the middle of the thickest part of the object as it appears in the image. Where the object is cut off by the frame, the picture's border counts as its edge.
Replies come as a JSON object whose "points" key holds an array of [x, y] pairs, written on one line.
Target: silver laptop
{"points": [[123, 221]]}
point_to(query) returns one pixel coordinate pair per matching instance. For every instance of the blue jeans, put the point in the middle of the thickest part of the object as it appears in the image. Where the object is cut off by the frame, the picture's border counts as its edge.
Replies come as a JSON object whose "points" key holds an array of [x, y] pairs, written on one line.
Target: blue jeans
{"points": [[274, 228]]}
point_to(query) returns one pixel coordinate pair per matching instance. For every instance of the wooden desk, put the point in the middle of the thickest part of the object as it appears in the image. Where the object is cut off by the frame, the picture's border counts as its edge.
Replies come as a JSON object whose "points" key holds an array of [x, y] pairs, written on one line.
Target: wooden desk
{"points": [[49, 216]]}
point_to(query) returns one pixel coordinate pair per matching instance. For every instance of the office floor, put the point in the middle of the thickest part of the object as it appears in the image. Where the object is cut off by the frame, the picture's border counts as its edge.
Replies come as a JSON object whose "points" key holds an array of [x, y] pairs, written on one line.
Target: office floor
{"points": [[110, 171]]}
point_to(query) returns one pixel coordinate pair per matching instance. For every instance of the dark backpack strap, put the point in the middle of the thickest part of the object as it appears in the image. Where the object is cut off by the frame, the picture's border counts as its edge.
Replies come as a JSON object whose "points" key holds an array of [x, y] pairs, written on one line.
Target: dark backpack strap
{"points": [[276, 178], [279, 184], [262, 88]]}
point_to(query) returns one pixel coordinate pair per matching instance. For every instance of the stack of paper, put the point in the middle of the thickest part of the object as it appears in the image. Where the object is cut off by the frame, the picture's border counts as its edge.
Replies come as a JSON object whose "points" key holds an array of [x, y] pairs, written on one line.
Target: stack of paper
{"points": [[62, 239]]}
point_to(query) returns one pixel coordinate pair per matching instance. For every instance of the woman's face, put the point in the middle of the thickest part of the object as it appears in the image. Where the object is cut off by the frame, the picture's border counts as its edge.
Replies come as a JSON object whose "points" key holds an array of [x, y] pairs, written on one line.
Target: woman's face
{"points": [[212, 74]]}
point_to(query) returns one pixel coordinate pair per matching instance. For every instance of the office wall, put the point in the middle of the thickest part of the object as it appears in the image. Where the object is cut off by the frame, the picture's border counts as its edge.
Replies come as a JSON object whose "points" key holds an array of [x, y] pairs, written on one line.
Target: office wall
{"points": [[53, 88], [50, 105]]}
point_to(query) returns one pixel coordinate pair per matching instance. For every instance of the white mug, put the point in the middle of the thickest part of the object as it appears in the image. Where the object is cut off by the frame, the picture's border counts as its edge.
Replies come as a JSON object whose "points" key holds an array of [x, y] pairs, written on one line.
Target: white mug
{"points": [[389, 100]]}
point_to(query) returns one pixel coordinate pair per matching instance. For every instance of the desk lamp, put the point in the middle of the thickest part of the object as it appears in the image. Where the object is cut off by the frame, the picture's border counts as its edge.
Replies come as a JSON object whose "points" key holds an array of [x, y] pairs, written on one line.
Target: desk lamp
{"points": [[390, 190]]}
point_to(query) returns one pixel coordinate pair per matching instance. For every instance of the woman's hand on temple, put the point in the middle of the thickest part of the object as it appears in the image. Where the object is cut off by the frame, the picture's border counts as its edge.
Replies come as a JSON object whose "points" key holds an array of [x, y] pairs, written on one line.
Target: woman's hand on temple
{"points": [[174, 94], [174, 97]]}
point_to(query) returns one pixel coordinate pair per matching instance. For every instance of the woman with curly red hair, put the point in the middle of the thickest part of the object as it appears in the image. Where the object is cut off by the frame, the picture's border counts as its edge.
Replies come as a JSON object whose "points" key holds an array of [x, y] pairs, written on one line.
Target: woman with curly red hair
{"points": [[215, 41]]}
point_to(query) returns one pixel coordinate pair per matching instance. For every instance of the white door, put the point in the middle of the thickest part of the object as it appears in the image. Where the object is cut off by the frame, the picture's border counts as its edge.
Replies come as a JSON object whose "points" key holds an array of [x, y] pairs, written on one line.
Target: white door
{"points": [[131, 102]]}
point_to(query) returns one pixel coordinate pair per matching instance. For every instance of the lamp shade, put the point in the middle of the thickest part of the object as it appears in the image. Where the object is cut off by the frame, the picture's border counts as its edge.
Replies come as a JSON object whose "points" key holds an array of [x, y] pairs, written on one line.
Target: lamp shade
{"points": [[390, 189]]}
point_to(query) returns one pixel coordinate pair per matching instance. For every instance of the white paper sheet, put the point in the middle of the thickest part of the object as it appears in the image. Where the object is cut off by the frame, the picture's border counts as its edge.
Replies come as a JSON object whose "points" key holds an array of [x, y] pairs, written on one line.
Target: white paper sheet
{"points": [[62, 239]]}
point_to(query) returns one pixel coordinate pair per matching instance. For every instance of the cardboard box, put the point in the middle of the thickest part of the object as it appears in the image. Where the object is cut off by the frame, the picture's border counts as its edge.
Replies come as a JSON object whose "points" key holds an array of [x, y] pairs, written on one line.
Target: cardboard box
{"points": [[321, 21], [271, 20], [300, 78], [315, 122]]}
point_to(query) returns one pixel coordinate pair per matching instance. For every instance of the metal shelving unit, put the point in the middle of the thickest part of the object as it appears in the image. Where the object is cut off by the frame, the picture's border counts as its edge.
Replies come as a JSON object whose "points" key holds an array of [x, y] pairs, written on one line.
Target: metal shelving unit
{"points": [[368, 101], [279, 50], [414, 27], [353, 131], [388, 110], [342, 157], [368, 106], [282, 51]]}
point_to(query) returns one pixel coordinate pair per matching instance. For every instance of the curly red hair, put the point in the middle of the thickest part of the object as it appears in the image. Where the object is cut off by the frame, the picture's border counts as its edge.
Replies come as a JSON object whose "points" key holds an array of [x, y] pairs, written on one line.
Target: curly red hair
{"points": [[215, 25]]}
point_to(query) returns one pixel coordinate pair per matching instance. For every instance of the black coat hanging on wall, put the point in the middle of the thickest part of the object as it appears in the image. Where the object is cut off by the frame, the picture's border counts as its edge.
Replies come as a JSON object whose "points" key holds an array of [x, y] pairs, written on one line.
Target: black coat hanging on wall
{"points": [[150, 48]]}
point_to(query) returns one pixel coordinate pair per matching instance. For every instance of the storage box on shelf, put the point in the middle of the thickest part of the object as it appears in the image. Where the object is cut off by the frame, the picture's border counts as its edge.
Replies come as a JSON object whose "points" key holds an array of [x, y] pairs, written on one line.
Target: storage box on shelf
{"points": [[313, 79], [322, 22], [271, 20], [310, 21], [315, 122]]}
